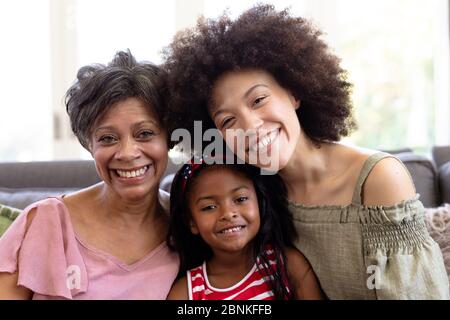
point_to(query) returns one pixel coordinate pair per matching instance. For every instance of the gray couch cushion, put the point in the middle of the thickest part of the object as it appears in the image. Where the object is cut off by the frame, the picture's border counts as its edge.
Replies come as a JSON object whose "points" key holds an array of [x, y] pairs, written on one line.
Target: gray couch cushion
{"points": [[48, 174], [24, 183], [444, 182], [21, 198], [441, 155], [424, 174]]}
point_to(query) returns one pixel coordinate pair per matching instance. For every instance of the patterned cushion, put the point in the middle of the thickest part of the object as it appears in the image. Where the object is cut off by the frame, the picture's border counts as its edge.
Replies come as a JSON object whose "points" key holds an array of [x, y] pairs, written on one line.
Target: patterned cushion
{"points": [[7, 216], [438, 224]]}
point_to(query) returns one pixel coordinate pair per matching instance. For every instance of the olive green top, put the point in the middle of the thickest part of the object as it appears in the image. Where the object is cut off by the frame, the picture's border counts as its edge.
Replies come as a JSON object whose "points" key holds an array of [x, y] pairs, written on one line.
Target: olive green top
{"points": [[371, 252]]}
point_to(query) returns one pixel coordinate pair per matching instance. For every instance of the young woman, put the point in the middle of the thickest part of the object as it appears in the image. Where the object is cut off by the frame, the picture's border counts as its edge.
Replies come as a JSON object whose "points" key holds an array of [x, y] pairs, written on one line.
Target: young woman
{"points": [[357, 213], [234, 237]]}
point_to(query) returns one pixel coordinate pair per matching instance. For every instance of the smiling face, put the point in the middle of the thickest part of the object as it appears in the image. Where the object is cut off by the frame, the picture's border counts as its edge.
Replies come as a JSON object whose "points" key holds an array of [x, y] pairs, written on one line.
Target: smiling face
{"points": [[130, 149], [224, 209], [252, 101]]}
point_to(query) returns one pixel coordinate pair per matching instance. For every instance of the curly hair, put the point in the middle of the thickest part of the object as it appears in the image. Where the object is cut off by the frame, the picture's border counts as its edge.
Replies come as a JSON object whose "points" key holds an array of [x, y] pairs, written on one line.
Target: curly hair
{"points": [[287, 47], [98, 87], [277, 228]]}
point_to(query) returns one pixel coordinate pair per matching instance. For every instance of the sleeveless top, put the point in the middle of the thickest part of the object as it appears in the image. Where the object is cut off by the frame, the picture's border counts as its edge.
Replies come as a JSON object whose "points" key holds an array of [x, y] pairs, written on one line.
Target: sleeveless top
{"points": [[253, 286], [371, 252], [53, 262]]}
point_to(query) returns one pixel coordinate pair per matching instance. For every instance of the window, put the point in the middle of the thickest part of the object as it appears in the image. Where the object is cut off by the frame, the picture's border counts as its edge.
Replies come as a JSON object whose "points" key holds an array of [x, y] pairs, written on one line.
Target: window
{"points": [[49, 40], [25, 108], [397, 56]]}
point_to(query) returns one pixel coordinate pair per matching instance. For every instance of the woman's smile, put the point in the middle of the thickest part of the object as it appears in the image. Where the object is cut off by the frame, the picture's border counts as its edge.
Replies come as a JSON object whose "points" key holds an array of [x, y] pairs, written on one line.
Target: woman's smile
{"points": [[253, 102], [130, 149], [264, 142], [133, 176]]}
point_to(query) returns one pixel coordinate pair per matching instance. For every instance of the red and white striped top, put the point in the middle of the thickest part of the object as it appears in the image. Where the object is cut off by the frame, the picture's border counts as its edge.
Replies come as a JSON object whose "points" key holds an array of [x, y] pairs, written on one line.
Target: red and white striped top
{"points": [[254, 286]]}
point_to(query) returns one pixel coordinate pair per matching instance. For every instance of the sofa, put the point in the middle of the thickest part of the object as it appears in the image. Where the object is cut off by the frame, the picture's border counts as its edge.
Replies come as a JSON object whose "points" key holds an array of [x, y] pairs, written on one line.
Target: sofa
{"points": [[24, 183]]}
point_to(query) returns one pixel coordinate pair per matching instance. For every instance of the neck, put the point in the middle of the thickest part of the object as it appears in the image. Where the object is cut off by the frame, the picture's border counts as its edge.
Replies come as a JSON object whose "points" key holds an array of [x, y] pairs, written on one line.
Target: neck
{"points": [[224, 262], [309, 164], [130, 214]]}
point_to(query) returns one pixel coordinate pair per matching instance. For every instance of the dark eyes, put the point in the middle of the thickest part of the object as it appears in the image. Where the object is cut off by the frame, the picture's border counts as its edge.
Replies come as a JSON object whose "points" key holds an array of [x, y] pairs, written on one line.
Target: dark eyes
{"points": [[208, 208], [237, 200], [146, 134], [229, 121], [259, 100], [142, 135], [241, 199], [107, 139]]}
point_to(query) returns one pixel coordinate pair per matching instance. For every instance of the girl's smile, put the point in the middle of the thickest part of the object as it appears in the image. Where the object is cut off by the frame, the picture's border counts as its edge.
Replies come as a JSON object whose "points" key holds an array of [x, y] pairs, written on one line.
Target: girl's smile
{"points": [[225, 214]]}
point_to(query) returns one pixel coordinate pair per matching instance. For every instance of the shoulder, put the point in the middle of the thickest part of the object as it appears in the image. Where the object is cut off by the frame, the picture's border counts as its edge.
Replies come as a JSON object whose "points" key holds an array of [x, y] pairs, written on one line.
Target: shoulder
{"points": [[41, 233], [296, 264], [388, 183], [179, 290], [86, 194], [83, 201], [45, 208], [302, 278]]}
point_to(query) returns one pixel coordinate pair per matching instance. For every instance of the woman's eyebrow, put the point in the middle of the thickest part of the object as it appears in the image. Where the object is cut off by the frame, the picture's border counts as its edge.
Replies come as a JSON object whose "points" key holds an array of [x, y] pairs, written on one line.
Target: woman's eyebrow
{"points": [[135, 125], [146, 122], [245, 96], [104, 128], [247, 93]]}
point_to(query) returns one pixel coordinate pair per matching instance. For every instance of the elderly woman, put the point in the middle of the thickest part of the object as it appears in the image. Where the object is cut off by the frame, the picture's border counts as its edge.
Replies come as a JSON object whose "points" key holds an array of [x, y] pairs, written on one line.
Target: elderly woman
{"points": [[359, 220], [106, 241]]}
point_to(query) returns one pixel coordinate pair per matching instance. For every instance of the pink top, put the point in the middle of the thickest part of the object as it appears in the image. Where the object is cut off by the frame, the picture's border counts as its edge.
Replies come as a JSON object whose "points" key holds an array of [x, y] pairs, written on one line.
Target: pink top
{"points": [[55, 264]]}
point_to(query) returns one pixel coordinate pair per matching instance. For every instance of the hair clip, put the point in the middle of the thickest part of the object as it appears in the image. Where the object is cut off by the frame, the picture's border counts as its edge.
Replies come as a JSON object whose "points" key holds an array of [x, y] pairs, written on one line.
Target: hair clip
{"points": [[189, 170]]}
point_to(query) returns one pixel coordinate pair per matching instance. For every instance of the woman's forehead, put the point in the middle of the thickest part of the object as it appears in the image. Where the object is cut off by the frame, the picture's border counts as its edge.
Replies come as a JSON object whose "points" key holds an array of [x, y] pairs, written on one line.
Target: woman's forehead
{"points": [[129, 108], [236, 84]]}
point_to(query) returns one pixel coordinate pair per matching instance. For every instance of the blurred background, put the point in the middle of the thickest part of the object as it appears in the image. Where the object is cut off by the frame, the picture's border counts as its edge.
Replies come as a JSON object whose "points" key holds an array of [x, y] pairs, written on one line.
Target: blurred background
{"points": [[396, 54]]}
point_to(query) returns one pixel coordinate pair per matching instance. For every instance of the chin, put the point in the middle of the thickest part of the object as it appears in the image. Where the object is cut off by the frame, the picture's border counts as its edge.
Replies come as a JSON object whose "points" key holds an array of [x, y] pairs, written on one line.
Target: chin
{"points": [[137, 195], [273, 164]]}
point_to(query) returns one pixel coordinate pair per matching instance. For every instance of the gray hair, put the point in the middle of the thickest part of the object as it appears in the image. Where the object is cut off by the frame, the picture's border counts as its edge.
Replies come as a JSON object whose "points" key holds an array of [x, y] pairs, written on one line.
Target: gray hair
{"points": [[98, 87]]}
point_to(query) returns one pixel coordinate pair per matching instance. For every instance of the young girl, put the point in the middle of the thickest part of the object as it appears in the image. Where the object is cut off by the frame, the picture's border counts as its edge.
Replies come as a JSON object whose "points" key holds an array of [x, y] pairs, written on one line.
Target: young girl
{"points": [[234, 237]]}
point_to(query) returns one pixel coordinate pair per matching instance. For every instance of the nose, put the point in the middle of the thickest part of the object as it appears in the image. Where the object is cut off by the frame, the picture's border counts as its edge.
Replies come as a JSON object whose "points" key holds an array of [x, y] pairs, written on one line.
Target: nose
{"points": [[229, 212], [251, 120], [128, 150]]}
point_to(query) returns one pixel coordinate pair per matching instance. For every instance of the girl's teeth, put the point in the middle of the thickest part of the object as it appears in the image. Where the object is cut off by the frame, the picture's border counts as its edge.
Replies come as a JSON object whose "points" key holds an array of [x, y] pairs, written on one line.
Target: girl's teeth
{"points": [[132, 174], [232, 230]]}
